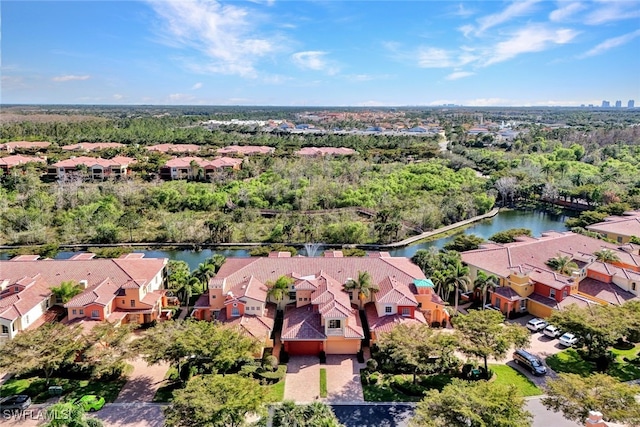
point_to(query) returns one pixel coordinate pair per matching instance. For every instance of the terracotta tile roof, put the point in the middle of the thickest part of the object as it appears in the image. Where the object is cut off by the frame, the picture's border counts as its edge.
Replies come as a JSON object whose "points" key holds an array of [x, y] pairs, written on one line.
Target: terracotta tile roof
{"points": [[609, 292], [175, 148], [35, 291], [10, 146], [102, 293], [325, 151], [220, 162], [151, 298], [392, 292], [92, 146], [353, 328], [613, 271], [506, 292], [302, 324], [499, 259], [569, 300], [94, 161], [259, 327], [250, 288], [387, 323], [18, 159], [306, 285], [627, 225], [245, 150]]}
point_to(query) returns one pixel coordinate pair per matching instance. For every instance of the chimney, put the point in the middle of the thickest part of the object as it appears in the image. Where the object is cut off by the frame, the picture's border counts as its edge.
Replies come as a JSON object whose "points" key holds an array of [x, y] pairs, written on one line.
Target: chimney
{"points": [[595, 420], [83, 284]]}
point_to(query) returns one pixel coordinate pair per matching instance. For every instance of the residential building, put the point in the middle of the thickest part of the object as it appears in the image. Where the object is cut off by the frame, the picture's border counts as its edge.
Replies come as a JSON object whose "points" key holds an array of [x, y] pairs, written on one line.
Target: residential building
{"points": [[127, 289], [245, 150], [197, 167], [97, 168], [606, 104], [527, 284], [325, 151], [319, 315], [631, 103], [12, 146], [9, 162], [175, 148], [93, 146], [619, 228], [618, 104]]}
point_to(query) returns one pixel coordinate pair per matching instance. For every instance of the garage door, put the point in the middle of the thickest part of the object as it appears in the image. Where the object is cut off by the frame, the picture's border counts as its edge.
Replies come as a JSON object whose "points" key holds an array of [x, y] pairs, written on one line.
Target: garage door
{"points": [[304, 348], [342, 347]]}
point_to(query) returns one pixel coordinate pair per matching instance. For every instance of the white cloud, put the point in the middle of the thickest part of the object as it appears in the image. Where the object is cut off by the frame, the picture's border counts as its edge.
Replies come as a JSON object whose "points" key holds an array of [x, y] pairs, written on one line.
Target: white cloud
{"points": [[466, 30], [534, 38], [70, 77], [459, 75], [118, 96], [432, 57], [462, 11], [196, 86], [177, 98], [565, 11], [314, 60], [366, 77], [613, 11], [224, 33], [487, 102], [515, 9], [610, 44]]}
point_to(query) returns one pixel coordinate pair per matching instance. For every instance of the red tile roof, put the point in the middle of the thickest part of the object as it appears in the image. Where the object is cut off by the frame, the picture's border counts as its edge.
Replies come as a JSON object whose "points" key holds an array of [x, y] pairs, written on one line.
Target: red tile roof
{"points": [[387, 323], [174, 148], [18, 159], [627, 225], [259, 327], [325, 151], [302, 324], [92, 146], [220, 162], [35, 291], [102, 294], [605, 291], [392, 292], [245, 150], [94, 161], [10, 146]]}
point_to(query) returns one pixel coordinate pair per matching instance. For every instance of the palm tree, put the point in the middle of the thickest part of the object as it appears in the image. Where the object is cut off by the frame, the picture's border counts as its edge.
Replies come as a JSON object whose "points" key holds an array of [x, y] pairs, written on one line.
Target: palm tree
{"points": [[66, 291], [203, 273], [279, 289], [363, 285], [456, 279], [484, 283], [607, 255], [188, 288], [562, 264], [438, 279]]}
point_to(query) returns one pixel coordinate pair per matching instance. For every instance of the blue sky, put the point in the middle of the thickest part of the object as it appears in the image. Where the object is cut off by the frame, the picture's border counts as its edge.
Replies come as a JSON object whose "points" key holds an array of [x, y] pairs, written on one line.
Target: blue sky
{"points": [[321, 53]]}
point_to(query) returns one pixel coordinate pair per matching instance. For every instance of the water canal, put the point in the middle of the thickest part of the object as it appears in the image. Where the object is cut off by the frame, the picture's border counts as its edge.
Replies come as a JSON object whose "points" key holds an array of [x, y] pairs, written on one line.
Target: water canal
{"points": [[537, 221]]}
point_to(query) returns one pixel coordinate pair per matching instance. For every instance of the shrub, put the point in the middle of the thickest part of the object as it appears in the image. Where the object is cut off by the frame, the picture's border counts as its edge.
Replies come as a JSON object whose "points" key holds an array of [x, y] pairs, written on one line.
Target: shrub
{"points": [[372, 365], [272, 377], [270, 363]]}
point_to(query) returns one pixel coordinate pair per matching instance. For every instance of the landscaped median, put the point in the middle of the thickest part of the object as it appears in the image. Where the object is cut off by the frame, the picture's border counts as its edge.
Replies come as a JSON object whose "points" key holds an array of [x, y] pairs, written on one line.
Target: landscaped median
{"points": [[625, 365]]}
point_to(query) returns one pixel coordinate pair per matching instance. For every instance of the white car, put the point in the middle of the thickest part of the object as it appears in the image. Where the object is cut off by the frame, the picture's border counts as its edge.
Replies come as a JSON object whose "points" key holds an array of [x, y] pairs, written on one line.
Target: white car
{"points": [[536, 324], [568, 340], [552, 331]]}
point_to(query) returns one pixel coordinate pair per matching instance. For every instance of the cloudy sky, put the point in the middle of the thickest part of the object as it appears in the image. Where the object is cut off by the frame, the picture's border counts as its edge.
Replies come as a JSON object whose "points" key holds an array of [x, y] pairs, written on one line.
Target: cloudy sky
{"points": [[320, 53]]}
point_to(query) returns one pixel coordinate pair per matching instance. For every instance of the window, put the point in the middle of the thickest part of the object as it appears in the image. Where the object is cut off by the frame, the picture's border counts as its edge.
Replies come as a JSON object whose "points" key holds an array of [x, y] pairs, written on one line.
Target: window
{"points": [[351, 295], [523, 304], [564, 294], [95, 313], [633, 286], [74, 311], [5, 330], [26, 318], [300, 299], [406, 311], [235, 312], [292, 295], [16, 289], [619, 239], [81, 312], [388, 309], [213, 296], [334, 324], [552, 293], [133, 303]]}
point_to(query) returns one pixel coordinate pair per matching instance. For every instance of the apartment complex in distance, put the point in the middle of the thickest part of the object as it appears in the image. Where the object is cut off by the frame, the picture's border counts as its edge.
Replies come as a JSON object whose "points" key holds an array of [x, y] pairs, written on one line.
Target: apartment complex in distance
{"points": [[619, 228]]}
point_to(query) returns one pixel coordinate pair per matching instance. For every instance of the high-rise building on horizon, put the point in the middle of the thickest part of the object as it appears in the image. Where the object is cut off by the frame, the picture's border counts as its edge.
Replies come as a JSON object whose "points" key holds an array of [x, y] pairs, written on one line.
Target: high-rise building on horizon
{"points": [[605, 104], [631, 103], [618, 104]]}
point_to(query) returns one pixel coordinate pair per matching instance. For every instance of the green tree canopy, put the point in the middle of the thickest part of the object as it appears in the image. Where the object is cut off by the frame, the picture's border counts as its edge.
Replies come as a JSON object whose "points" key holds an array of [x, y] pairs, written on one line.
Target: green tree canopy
{"points": [[363, 285], [483, 334], [472, 404], [215, 401], [316, 414], [66, 291], [69, 415], [279, 289], [464, 242], [575, 396]]}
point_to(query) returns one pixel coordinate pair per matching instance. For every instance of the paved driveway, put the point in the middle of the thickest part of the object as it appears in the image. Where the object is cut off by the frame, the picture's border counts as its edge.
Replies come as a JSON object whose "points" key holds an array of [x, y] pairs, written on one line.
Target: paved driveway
{"points": [[343, 379], [143, 382], [302, 382], [374, 414]]}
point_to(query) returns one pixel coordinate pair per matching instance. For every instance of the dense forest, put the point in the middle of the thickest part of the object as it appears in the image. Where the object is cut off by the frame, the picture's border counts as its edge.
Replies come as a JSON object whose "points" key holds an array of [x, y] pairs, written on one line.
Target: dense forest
{"points": [[396, 186]]}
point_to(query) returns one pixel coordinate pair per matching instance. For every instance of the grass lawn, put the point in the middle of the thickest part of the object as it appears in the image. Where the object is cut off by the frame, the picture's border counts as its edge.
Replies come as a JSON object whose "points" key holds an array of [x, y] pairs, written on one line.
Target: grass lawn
{"points": [[275, 392], [622, 370], [569, 361], [37, 388], [384, 387], [323, 382], [508, 376]]}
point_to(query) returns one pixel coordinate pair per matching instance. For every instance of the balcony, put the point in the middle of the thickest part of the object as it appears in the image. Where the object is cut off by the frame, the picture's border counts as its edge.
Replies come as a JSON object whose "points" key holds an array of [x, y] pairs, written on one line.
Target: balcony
{"points": [[334, 332]]}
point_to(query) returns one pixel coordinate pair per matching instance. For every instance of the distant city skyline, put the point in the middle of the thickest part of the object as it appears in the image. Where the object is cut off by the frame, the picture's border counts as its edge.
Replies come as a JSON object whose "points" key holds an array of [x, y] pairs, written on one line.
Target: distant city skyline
{"points": [[310, 53]]}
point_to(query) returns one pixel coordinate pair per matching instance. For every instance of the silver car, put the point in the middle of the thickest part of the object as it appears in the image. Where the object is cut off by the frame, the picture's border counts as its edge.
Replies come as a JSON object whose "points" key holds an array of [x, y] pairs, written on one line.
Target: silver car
{"points": [[16, 403]]}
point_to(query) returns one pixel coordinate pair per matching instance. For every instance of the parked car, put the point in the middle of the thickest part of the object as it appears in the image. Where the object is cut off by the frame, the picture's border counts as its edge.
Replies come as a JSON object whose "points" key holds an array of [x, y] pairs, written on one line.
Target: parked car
{"points": [[536, 324], [568, 340], [529, 361], [90, 402], [18, 402], [552, 331]]}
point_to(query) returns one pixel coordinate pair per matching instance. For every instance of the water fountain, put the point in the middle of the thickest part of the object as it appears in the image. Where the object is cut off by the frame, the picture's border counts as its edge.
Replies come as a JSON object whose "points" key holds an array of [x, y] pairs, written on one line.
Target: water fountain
{"points": [[312, 248]]}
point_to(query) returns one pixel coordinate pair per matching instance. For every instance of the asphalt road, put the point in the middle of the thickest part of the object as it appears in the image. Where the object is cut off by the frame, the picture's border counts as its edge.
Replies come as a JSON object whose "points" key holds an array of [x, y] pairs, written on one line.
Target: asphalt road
{"points": [[374, 415]]}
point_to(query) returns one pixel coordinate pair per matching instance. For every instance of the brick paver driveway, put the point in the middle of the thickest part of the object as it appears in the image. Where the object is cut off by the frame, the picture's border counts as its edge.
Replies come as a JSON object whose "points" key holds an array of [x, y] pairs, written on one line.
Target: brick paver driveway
{"points": [[302, 383], [143, 382], [343, 379]]}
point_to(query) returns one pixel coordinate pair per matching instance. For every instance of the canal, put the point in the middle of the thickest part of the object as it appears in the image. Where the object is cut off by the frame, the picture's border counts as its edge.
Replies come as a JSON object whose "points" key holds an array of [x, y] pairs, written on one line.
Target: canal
{"points": [[537, 221]]}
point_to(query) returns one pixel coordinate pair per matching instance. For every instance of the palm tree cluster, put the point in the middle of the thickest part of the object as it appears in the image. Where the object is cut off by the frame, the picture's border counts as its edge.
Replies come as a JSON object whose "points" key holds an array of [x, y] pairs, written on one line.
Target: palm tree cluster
{"points": [[316, 414], [563, 264], [185, 283], [363, 285], [446, 271]]}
